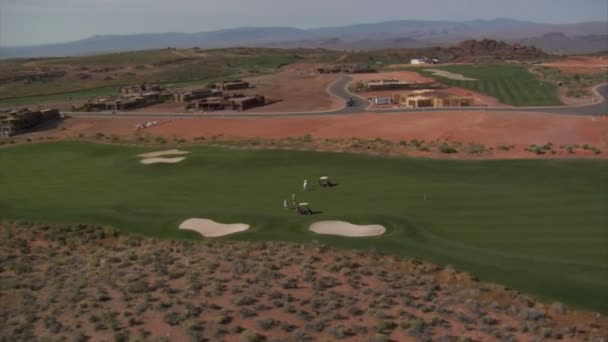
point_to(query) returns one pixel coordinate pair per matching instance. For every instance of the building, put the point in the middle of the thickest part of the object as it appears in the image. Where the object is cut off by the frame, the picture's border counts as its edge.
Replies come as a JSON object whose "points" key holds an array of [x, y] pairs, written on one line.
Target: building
{"points": [[232, 85], [432, 99], [189, 95], [417, 101], [243, 103], [236, 102], [125, 102], [136, 89], [454, 101], [22, 120], [383, 100]]}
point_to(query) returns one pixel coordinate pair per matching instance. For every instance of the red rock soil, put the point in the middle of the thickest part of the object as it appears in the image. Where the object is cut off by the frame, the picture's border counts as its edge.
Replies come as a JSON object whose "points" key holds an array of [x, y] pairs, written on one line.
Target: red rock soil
{"points": [[488, 128], [581, 65]]}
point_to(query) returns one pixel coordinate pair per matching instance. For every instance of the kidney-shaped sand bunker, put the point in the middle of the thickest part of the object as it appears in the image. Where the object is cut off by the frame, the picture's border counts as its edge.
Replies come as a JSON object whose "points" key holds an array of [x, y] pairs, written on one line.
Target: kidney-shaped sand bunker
{"points": [[210, 228], [347, 229], [158, 157]]}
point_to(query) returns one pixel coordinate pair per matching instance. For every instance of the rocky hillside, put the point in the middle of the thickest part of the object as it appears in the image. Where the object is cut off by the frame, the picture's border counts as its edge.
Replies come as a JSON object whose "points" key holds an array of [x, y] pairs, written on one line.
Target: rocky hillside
{"points": [[84, 282], [475, 50]]}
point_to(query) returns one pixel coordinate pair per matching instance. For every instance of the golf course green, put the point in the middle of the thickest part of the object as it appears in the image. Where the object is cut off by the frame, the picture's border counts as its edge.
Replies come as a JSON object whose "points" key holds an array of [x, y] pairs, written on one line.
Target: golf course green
{"points": [[540, 226]]}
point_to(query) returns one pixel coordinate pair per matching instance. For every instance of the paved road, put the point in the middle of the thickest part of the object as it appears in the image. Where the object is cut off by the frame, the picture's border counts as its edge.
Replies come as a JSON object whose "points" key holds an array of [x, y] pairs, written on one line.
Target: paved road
{"points": [[339, 89]]}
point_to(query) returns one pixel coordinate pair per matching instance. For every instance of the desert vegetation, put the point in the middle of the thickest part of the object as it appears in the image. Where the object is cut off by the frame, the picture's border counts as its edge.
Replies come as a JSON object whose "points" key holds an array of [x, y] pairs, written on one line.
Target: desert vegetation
{"points": [[88, 282]]}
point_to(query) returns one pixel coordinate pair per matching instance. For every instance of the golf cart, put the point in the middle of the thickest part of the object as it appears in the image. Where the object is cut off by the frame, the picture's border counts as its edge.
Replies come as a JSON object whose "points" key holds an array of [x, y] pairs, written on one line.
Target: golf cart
{"points": [[324, 182], [303, 209]]}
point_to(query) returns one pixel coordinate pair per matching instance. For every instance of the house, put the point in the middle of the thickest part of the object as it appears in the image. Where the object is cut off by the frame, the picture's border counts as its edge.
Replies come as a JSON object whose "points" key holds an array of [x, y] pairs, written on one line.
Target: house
{"points": [[22, 120], [193, 94], [428, 98], [232, 85], [454, 101], [243, 103], [418, 101]]}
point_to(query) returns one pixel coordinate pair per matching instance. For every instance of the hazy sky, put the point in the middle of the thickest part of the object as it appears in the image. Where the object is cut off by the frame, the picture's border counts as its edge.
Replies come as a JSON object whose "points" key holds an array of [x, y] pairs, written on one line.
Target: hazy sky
{"points": [[24, 22]]}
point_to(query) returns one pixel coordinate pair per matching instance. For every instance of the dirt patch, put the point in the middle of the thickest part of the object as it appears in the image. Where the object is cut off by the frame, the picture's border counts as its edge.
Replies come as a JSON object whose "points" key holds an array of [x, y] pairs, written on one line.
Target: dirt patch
{"points": [[162, 153], [162, 160], [450, 75], [347, 229], [581, 65], [490, 128], [209, 228]]}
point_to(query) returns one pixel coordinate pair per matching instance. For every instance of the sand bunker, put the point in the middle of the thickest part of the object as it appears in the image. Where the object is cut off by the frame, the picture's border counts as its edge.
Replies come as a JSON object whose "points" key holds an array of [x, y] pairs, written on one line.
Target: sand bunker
{"points": [[209, 228], [450, 75], [162, 160], [342, 228], [162, 153]]}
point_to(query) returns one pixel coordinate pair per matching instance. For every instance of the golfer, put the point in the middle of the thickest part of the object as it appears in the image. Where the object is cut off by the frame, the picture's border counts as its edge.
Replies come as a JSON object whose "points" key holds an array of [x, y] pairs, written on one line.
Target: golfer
{"points": [[305, 185], [285, 204], [293, 199]]}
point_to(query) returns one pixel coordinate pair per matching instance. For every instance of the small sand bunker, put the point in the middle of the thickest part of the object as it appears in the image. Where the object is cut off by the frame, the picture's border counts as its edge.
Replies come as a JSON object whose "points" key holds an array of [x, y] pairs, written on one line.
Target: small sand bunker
{"points": [[209, 228], [162, 160], [342, 228], [450, 75], [162, 153]]}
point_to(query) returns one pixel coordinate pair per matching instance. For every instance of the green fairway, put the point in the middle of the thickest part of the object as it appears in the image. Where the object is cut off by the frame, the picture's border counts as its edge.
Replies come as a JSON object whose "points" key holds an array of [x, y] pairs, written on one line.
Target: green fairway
{"points": [[539, 226], [510, 84]]}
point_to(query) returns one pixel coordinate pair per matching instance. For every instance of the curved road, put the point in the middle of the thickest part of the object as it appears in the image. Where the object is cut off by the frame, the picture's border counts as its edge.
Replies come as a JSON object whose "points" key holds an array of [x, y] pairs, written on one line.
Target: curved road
{"points": [[340, 89]]}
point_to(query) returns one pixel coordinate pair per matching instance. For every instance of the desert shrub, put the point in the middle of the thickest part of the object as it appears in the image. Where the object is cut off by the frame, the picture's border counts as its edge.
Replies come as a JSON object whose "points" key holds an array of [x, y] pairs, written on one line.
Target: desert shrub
{"points": [[446, 148], [341, 332], [160, 140], [379, 338], [288, 327], [247, 313], [385, 325], [172, 318], [417, 326], [250, 336], [416, 143], [99, 135], [266, 324], [222, 319], [306, 138], [317, 326], [476, 148], [244, 300], [530, 314]]}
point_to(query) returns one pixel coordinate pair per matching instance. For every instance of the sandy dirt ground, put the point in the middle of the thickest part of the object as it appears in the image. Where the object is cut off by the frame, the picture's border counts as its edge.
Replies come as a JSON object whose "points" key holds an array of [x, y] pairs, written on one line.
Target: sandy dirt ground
{"points": [[299, 87], [347, 229], [148, 161], [489, 128], [209, 228], [162, 153], [581, 65]]}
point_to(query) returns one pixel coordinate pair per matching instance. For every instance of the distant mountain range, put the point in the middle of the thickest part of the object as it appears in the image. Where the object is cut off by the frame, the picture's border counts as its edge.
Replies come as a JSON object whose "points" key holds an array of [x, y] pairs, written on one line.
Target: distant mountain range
{"points": [[584, 37]]}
